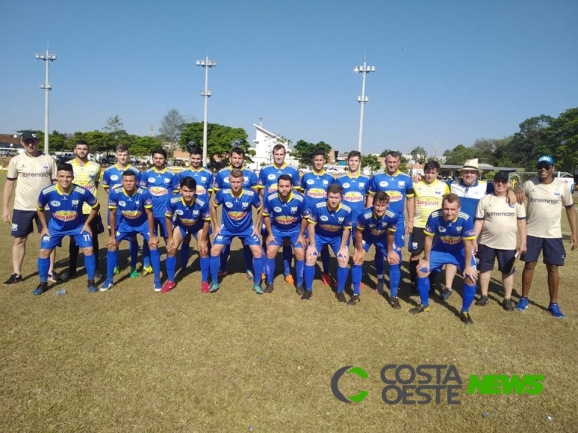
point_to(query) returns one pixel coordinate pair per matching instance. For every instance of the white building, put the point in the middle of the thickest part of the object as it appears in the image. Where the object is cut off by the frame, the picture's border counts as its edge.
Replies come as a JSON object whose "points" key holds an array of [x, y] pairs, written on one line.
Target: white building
{"points": [[263, 146]]}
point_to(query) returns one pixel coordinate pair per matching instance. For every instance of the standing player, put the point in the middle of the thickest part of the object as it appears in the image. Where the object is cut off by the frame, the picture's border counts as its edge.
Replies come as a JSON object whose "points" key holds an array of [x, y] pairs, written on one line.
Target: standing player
{"points": [[284, 215], [314, 186], [66, 202], [187, 216], [250, 182], [329, 224], [135, 205], [267, 185], [376, 226], [86, 175], [236, 221], [31, 171], [429, 193], [399, 188], [546, 195], [453, 244], [112, 178], [496, 224]]}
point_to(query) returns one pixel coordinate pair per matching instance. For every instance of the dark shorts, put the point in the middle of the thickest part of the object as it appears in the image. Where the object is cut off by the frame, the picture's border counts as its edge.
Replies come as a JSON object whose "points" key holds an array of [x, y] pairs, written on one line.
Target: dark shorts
{"points": [[554, 253], [416, 241], [22, 222], [487, 256]]}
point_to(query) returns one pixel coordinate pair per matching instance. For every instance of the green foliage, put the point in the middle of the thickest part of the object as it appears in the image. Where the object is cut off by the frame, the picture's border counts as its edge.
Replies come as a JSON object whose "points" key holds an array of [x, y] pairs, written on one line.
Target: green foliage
{"points": [[303, 150], [99, 141], [371, 161], [562, 138], [419, 154], [172, 125], [144, 145], [58, 142]]}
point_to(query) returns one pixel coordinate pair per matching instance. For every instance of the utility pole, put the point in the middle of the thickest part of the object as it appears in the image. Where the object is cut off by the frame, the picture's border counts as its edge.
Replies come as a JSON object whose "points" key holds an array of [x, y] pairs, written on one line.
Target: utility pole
{"points": [[363, 70], [207, 64], [47, 88]]}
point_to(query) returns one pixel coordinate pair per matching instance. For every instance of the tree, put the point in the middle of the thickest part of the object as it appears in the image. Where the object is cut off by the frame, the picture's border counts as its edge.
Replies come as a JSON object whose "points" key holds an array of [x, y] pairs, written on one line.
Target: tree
{"points": [[172, 125], [58, 142], [562, 137], [114, 126], [529, 142], [459, 154], [303, 150], [99, 141], [372, 162], [144, 145], [419, 154]]}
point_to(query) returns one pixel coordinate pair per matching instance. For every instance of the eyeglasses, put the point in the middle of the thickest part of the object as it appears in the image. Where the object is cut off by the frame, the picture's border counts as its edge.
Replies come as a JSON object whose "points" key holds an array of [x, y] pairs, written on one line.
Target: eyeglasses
{"points": [[29, 142]]}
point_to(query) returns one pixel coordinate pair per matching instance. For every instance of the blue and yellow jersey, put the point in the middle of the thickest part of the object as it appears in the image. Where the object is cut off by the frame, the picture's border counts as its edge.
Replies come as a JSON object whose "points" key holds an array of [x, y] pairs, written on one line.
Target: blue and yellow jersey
{"points": [[86, 175], [112, 176], [285, 215], [374, 227], [268, 177], [66, 208], [131, 207], [250, 180], [330, 223], [188, 215], [314, 187], [428, 198], [450, 234], [237, 213], [160, 184], [202, 176], [398, 186], [355, 189]]}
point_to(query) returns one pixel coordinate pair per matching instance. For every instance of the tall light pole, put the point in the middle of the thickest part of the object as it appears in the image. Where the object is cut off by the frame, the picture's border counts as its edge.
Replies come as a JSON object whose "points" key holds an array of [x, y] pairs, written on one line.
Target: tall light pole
{"points": [[363, 70], [47, 88], [207, 64]]}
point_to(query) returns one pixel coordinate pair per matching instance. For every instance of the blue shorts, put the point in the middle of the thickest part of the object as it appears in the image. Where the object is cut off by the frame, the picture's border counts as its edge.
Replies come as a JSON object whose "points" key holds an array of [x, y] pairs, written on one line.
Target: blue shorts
{"points": [[22, 222], [280, 236], [333, 241], [82, 239], [160, 225], [554, 252], [487, 256], [225, 237], [380, 244], [399, 237], [438, 259], [126, 232], [191, 230]]}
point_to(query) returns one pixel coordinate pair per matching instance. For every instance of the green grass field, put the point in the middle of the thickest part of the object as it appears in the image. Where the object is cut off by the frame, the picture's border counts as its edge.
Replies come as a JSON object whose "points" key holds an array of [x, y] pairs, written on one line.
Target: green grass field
{"points": [[132, 360]]}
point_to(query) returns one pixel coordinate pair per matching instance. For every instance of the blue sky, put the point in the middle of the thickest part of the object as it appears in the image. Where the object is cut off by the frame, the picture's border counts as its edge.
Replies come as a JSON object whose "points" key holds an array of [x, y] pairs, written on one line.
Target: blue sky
{"points": [[451, 71]]}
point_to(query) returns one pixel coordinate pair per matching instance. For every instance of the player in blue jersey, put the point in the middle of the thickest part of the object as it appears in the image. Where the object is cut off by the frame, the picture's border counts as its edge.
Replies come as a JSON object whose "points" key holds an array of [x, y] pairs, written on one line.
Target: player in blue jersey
{"points": [[355, 186], [329, 224], [112, 178], [66, 200], [399, 188], [285, 217], [250, 182], [236, 221], [377, 226], [453, 244], [187, 216], [314, 186], [135, 205], [204, 180], [268, 185]]}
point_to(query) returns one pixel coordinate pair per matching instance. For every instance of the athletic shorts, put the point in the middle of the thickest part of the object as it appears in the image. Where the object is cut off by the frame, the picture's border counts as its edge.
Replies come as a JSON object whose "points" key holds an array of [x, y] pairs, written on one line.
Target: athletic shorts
{"points": [[487, 256], [126, 232], [380, 245], [281, 236], [22, 222], [416, 241], [225, 237], [191, 230], [334, 242], [438, 259], [160, 225], [399, 237], [82, 239], [554, 252]]}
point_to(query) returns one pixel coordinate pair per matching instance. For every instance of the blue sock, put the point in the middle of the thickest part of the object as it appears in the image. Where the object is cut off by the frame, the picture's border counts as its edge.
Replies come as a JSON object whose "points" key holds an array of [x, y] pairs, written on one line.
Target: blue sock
{"points": [[469, 295], [270, 270], [394, 278], [146, 255], [423, 289], [287, 257], [90, 265], [224, 258], [325, 260], [133, 252], [156, 262], [171, 264], [258, 265], [356, 275], [205, 269], [111, 258], [249, 260], [342, 274], [214, 262], [379, 263], [299, 268], [43, 266], [309, 273], [185, 251]]}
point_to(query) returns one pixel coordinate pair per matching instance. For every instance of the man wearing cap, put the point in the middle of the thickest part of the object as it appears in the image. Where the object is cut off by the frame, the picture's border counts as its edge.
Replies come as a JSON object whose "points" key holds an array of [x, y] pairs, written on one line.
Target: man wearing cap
{"points": [[545, 195], [496, 224], [34, 172]]}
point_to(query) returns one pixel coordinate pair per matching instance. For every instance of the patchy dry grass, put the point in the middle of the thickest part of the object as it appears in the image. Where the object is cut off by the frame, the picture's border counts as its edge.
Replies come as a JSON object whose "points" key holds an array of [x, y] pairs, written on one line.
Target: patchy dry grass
{"points": [[134, 360]]}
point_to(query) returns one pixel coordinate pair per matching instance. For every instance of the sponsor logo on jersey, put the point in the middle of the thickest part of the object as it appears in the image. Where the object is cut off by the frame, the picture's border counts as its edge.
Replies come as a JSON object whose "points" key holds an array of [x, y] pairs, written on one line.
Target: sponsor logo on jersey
{"points": [[203, 178], [316, 193], [131, 214], [65, 215], [285, 219], [340, 219], [55, 203], [271, 177], [362, 184], [401, 183], [122, 203], [74, 202], [353, 197], [324, 218], [331, 227], [179, 212], [195, 213], [310, 182], [167, 180], [151, 179], [237, 216], [451, 240], [158, 191], [114, 177], [394, 196], [228, 204], [383, 183], [346, 185], [277, 209], [245, 205], [294, 209], [441, 229], [325, 182]]}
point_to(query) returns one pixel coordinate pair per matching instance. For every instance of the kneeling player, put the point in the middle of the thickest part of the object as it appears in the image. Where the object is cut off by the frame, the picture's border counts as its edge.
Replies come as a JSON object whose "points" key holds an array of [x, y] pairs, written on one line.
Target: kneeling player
{"points": [[186, 215], [135, 206], [376, 226], [66, 200], [453, 245], [329, 224]]}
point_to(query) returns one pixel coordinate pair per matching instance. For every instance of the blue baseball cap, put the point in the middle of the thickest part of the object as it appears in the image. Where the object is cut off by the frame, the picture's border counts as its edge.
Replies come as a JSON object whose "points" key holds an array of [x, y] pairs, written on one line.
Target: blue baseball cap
{"points": [[547, 159]]}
